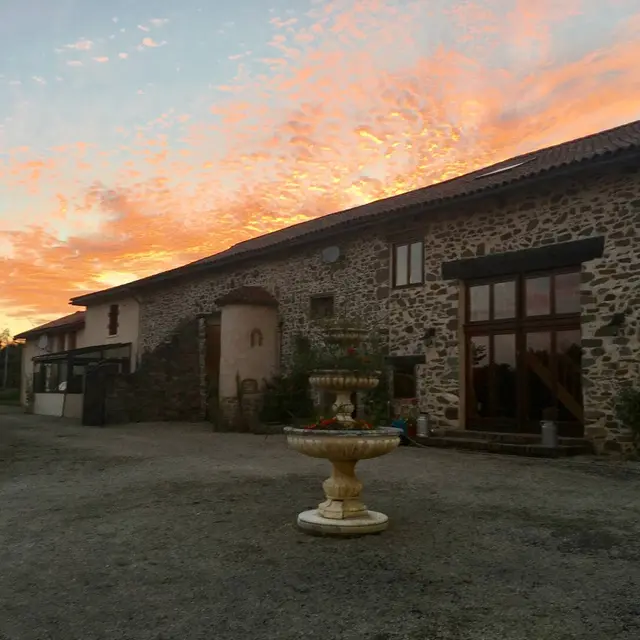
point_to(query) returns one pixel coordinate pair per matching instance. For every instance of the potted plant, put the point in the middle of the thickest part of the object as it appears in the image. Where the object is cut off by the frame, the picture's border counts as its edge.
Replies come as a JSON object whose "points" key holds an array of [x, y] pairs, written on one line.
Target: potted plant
{"points": [[343, 362]]}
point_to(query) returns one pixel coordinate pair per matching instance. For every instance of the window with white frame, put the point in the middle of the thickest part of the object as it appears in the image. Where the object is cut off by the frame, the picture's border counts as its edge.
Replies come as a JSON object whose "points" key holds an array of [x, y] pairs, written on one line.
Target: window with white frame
{"points": [[408, 264]]}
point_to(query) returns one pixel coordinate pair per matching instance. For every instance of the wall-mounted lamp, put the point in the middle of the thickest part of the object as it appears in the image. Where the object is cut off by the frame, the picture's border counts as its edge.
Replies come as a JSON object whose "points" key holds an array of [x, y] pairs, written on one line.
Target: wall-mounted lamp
{"points": [[428, 337]]}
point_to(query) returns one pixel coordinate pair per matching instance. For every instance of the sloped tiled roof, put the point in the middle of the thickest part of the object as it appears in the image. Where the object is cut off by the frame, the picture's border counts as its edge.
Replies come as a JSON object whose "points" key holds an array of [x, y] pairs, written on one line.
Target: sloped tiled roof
{"points": [[614, 143], [65, 323]]}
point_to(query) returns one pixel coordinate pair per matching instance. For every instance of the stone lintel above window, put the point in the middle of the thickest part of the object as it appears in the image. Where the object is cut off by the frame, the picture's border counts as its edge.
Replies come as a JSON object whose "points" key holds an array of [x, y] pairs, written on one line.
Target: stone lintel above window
{"points": [[551, 256]]}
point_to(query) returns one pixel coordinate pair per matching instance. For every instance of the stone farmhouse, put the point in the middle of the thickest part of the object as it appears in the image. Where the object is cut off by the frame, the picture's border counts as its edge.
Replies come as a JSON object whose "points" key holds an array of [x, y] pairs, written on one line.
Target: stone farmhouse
{"points": [[502, 294]]}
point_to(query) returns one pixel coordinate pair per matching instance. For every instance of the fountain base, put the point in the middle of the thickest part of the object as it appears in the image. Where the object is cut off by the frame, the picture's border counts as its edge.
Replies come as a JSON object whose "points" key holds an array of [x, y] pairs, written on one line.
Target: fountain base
{"points": [[372, 522]]}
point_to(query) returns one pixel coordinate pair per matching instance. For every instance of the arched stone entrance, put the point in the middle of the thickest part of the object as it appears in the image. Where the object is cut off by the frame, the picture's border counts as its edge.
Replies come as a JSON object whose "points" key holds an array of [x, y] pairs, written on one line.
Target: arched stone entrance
{"points": [[249, 353]]}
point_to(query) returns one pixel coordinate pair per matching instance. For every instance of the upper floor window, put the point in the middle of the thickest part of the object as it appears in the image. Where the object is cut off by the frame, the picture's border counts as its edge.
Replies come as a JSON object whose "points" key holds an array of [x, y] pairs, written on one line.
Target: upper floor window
{"points": [[114, 312], [408, 264], [72, 341], [321, 307]]}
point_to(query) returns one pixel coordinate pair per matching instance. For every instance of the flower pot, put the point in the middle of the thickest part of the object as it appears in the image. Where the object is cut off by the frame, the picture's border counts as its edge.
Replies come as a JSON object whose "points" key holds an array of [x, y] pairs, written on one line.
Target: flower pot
{"points": [[342, 511]]}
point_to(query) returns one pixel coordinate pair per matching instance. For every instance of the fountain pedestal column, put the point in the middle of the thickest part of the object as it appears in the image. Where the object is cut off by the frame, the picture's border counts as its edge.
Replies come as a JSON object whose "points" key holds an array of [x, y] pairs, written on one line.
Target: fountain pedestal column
{"points": [[342, 513]]}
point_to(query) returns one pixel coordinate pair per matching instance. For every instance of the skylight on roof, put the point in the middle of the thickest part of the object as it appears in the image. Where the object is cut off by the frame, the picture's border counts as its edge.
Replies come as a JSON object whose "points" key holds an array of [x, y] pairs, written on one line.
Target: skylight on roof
{"points": [[505, 168]]}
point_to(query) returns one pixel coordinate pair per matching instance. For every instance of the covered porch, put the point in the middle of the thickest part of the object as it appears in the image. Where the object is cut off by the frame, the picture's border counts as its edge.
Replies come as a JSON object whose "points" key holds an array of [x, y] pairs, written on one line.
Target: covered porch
{"points": [[59, 378]]}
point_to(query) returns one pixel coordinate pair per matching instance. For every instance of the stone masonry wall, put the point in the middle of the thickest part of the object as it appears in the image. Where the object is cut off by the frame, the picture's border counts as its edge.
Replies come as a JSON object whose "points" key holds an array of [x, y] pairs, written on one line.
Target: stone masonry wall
{"points": [[166, 385], [607, 205], [358, 281]]}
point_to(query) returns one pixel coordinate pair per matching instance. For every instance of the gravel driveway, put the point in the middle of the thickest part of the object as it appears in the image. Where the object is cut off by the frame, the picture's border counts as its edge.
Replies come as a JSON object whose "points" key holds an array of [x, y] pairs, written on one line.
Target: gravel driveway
{"points": [[172, 532]]}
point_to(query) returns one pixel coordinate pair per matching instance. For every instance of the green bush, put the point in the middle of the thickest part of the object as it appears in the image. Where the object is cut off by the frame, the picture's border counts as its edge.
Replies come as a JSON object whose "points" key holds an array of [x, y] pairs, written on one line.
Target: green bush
{"points": [[628, 410]]}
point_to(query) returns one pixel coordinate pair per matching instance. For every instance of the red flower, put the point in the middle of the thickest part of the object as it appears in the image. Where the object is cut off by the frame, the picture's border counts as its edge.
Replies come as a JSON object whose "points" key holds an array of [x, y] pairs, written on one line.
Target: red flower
{"points": [[351, 351]]}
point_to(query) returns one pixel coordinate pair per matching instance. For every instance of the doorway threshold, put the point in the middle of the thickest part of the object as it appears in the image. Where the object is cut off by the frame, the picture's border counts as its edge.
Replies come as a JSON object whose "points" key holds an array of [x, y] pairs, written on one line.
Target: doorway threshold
{"points": [[522, 444]]}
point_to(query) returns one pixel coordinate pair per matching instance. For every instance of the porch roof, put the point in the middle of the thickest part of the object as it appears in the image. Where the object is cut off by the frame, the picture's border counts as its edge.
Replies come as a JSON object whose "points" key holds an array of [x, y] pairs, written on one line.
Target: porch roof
{"points": [[71, 353]]}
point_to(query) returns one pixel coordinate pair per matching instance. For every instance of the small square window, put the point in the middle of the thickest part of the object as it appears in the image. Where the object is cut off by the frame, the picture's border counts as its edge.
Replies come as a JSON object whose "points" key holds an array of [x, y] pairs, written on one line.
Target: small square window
{"points": [[114, 312], [321, 307], [408, 264], [404, 381]]}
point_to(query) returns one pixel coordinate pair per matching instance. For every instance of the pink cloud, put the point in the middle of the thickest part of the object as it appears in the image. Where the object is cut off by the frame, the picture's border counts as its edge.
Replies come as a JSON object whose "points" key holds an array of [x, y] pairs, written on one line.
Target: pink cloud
{"points": [[81, 45], [151, 43]]}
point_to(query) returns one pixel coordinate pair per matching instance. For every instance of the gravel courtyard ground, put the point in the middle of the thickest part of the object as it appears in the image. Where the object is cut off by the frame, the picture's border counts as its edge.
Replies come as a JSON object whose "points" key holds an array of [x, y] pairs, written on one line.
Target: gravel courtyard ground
{"points": [[173, 532]]}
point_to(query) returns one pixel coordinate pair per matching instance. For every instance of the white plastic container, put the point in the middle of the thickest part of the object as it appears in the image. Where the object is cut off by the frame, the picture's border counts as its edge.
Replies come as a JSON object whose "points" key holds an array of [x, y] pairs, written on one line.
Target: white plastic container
{"points": [[423, 426], [549, 433]]}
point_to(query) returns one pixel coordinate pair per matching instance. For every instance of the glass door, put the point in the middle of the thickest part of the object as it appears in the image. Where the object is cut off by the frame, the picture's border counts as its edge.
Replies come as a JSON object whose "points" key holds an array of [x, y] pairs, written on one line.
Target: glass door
{"points": [[524, 353], [553, 380]]}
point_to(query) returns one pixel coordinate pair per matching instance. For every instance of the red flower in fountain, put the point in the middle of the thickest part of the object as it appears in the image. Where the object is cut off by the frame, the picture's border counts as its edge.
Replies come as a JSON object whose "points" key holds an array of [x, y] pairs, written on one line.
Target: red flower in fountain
{"points": [[329, 424]]}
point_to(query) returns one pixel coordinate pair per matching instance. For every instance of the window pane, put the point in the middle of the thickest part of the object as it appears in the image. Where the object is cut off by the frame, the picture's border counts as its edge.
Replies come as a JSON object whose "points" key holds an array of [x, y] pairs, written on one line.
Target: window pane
{"points": [[415, 274], [479, 388], [568, 292], [479, 303], [538, 296], [404, 382], [402, 257], [539, 375], [569, 359], [504, 300], [504, 361]]}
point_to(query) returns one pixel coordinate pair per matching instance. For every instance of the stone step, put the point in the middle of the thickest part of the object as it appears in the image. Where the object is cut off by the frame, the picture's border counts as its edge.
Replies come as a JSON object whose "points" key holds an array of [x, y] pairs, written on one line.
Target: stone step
{"points": [[495, 446], [507, 437]]}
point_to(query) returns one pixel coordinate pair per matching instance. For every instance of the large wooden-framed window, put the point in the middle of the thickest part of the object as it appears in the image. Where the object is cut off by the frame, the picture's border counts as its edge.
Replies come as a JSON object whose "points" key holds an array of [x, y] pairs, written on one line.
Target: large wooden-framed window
{"points": [[523, 344], [408, 263]]}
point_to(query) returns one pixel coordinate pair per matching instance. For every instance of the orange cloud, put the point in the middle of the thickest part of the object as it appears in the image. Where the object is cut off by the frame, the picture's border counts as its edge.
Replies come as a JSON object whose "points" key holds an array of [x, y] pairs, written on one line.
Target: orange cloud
{"points": [[150, 42], [350, 127]]}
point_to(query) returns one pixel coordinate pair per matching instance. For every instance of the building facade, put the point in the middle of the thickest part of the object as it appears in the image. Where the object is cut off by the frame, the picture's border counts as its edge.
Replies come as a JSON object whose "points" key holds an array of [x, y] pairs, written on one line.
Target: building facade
{"points": [[503, 297], [58, 355]]}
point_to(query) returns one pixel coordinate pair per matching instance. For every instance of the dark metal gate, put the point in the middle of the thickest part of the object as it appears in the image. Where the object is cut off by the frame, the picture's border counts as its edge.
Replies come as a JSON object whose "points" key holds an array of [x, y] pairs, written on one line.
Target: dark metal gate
{"points": [[98, 380]]}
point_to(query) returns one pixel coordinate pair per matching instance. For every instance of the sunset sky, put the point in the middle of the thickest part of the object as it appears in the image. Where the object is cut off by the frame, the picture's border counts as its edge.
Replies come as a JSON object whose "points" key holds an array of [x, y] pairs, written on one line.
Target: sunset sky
{"points": [[139, 135]]}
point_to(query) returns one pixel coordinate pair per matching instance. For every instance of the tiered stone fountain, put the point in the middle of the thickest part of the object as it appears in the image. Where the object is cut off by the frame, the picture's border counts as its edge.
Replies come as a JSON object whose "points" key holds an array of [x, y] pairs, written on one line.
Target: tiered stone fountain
{"points": [[342, 512]]}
